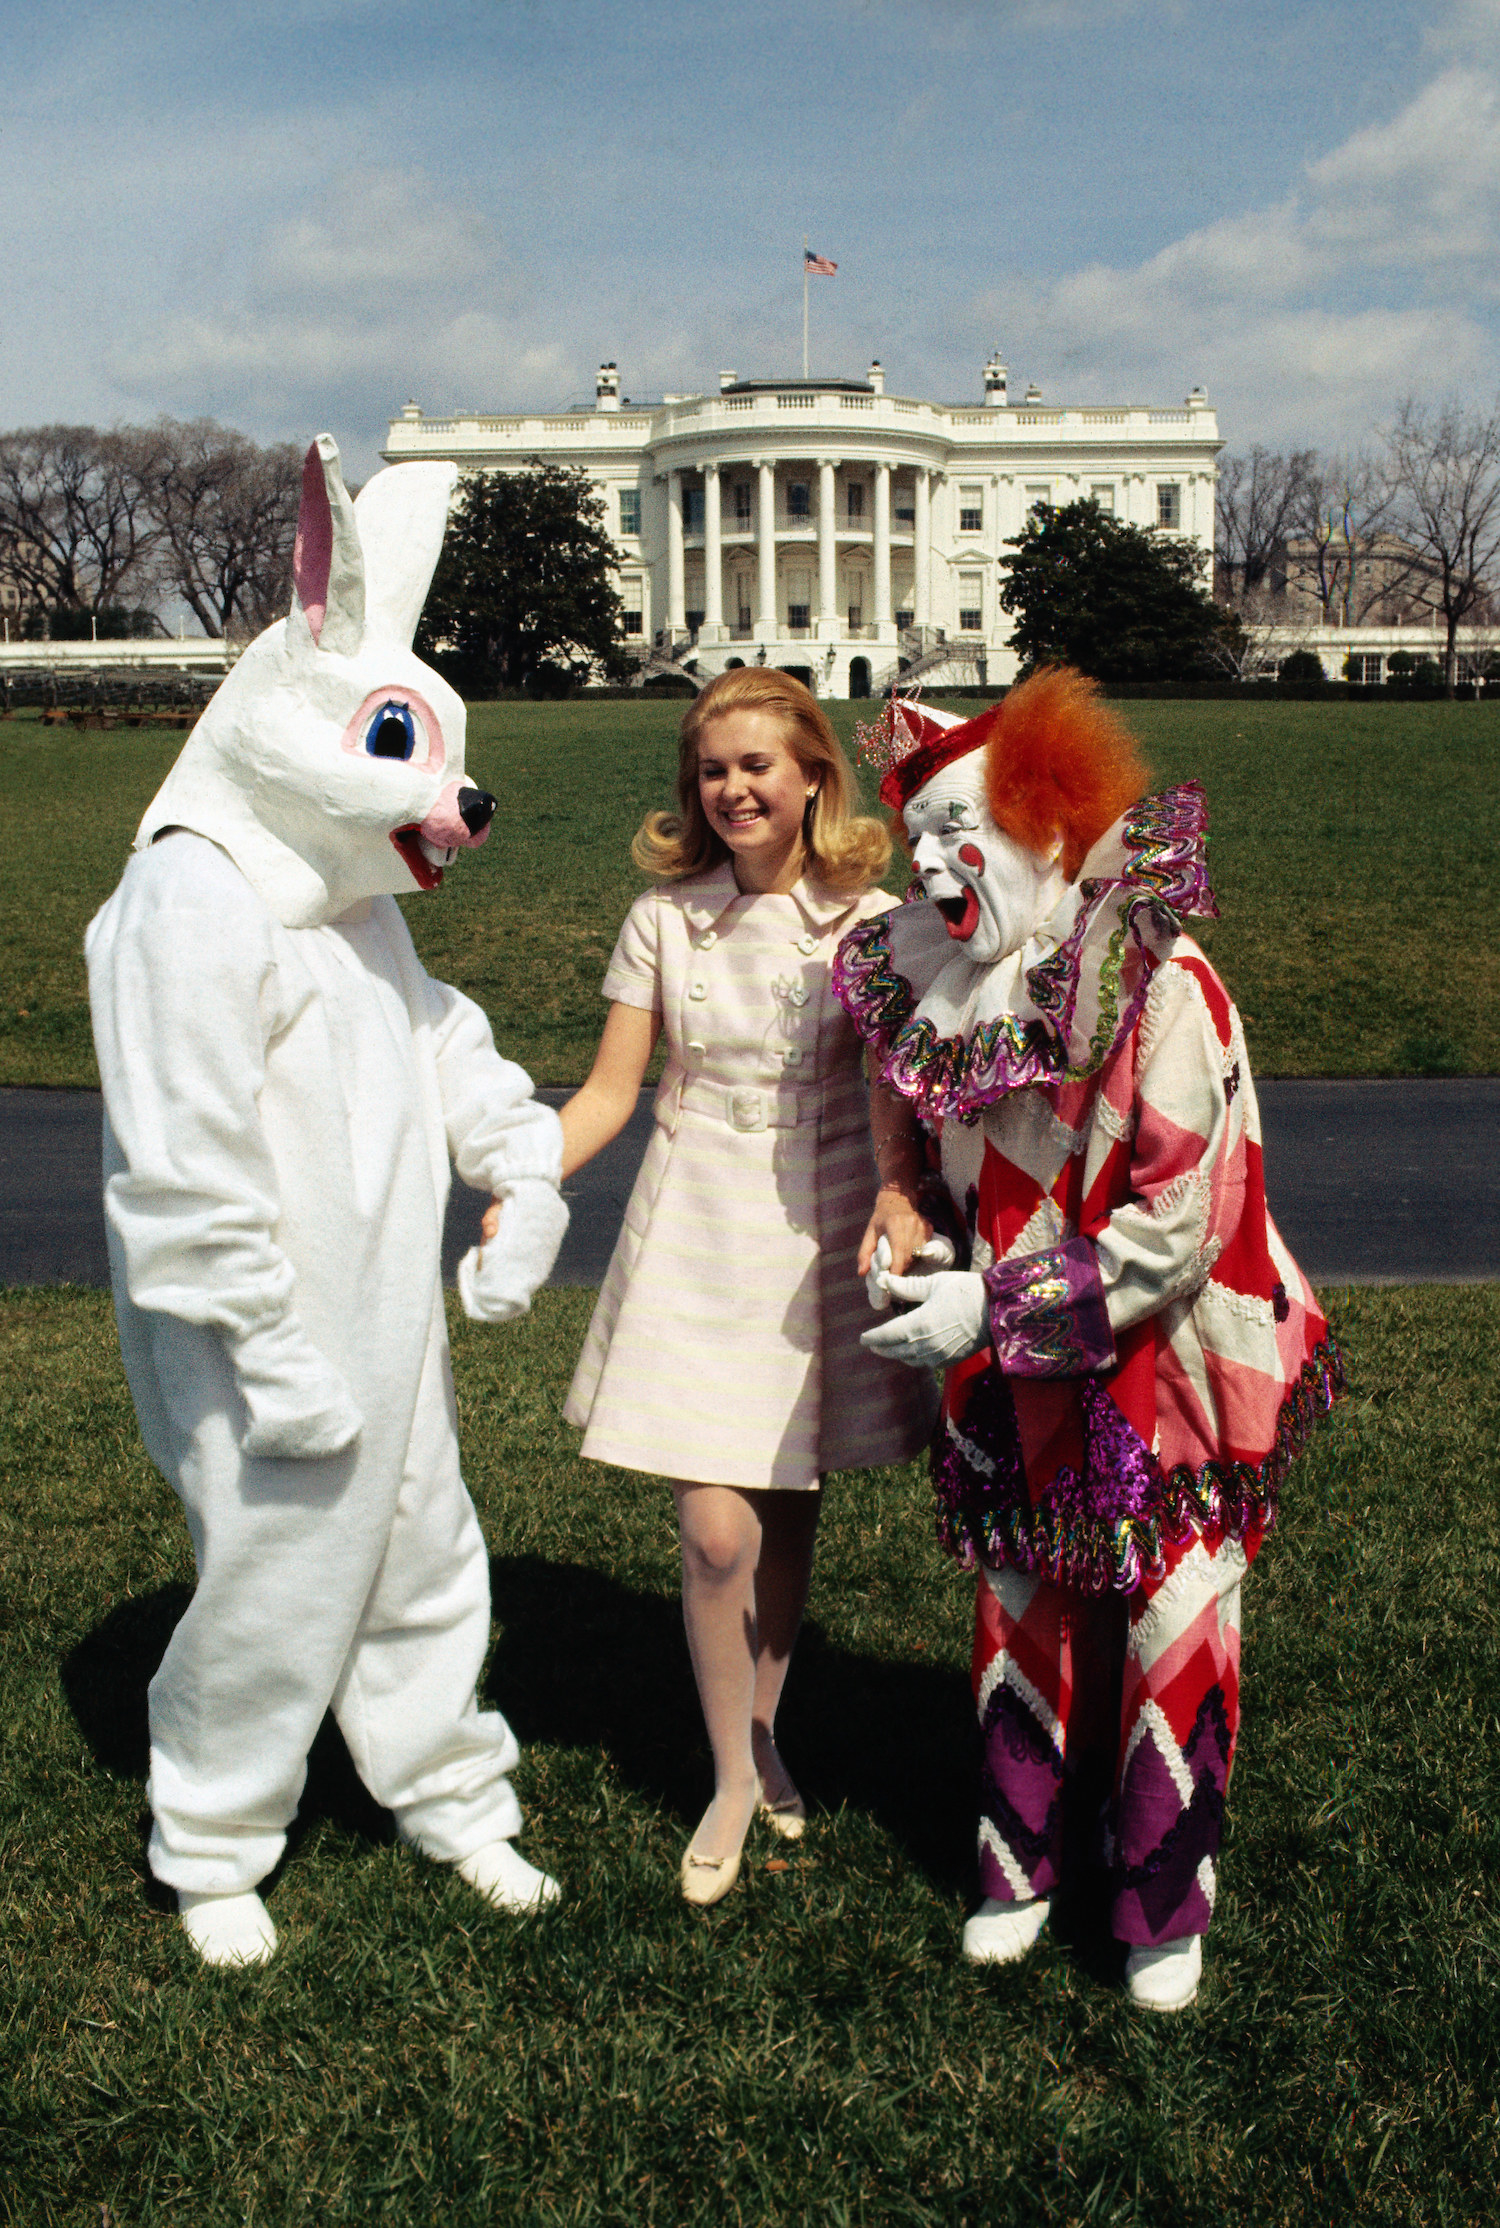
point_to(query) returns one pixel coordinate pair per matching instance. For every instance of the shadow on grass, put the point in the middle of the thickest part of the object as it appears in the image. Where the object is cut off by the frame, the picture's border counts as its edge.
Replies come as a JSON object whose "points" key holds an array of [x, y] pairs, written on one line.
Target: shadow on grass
{"points": [[583, 1662]]}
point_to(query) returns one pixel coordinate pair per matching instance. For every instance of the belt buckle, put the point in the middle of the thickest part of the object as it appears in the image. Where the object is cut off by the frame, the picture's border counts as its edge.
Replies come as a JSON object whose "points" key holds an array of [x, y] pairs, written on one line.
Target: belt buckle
{"points": [[747, 1108]]}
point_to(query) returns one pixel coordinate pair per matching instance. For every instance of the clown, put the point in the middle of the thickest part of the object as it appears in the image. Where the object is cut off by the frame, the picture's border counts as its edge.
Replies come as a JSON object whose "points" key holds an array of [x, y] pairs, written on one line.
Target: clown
{"points": [[1132, 1355], [285, 1090]]}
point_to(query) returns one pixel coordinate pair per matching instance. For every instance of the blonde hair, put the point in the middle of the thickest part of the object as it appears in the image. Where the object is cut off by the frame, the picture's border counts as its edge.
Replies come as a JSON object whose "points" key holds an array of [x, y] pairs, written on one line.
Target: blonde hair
{"points": [[846, 849]]}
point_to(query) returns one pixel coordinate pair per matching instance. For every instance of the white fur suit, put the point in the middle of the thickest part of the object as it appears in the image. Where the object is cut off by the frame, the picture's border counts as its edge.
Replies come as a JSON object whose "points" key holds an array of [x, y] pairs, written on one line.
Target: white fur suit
{"points": [[285, 1091]]}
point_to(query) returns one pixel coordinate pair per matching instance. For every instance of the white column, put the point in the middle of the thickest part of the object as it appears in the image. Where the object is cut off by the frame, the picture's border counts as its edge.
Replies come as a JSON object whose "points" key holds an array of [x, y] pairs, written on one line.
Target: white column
{"points": [[921, 553], [828, 616], [676, 595], [765, 617], [883, 551], [713, 559]]}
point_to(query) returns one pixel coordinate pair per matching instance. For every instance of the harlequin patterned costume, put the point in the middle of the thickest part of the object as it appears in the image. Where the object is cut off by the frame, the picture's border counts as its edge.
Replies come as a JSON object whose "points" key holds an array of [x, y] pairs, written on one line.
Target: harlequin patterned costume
{"points": [[1110, 1460]]}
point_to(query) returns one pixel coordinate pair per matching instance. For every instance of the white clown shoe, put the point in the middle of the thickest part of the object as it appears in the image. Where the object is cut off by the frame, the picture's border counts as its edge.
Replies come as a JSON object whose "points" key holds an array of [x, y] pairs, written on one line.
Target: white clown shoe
{"points": [[1164, 1976], [227, 1929], [999, 1933], [504, 1878]]}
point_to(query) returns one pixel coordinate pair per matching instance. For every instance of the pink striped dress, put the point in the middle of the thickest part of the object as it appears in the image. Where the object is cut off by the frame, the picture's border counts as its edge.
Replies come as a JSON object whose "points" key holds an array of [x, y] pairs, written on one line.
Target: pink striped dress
{"points": [[725, 1345]]}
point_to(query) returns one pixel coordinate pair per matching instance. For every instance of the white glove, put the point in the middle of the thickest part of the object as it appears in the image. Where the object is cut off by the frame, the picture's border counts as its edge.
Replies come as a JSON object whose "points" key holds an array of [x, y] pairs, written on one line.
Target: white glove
{"points": [[299, 1405], [937, 1254], [950, 1320], [496, 1280]]}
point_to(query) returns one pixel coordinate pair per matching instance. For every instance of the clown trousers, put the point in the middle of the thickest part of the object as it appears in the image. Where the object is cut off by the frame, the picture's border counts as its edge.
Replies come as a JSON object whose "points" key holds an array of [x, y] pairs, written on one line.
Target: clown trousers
{"points": [[343, 1584], [1117, 1712]]}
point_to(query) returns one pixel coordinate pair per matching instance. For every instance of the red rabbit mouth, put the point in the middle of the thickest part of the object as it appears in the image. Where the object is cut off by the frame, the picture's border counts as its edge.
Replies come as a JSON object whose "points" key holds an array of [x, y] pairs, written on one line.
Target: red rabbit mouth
{"points": [[408, 842]]}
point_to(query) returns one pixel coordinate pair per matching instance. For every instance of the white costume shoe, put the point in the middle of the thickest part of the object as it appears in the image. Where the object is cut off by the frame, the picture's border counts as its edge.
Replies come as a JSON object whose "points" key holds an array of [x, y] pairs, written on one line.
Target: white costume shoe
{"points": [[227, 1929], [1165, 1976], [999, 1933], [504, 1878]]}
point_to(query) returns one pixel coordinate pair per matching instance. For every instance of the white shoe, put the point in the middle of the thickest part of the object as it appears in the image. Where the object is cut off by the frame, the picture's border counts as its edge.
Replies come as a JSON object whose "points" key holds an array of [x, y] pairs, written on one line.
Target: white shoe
{"points": [[1165, 1976], [227, 1929], [504, 1878], [999, 1933]]}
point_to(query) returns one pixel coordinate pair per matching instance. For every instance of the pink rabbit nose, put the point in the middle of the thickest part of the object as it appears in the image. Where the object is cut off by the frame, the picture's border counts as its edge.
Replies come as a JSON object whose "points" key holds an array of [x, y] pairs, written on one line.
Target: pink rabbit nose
{"points": [[461, 816]]}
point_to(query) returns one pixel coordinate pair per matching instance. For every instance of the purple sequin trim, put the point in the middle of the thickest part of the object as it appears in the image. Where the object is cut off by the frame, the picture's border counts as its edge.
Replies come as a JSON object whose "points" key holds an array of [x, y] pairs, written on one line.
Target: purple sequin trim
{"points": [[1104, 1529], [1048, 1316]]}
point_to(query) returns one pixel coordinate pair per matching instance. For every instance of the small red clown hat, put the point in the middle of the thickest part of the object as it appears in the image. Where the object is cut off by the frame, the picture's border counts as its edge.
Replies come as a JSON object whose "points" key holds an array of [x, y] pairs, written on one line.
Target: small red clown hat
{"points": [[912, 741]]}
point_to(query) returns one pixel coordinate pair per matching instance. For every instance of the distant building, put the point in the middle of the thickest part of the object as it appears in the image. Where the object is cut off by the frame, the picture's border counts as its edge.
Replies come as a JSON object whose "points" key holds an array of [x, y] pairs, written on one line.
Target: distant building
{"points": [[829, 527]]}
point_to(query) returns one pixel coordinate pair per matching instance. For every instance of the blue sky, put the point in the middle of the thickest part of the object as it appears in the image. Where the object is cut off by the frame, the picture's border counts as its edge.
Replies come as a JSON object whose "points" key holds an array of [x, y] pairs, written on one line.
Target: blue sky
{"points": [[293, 218]]}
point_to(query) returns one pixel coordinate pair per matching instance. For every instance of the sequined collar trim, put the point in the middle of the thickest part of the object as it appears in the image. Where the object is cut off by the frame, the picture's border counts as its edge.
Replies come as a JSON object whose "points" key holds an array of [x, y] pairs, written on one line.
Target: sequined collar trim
{"points": [[953, 1037]]}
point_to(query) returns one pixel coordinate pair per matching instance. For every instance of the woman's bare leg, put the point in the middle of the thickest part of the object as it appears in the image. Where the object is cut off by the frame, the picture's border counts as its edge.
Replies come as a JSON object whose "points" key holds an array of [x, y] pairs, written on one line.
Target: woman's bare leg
{"points": [[720, 1528], [789, 1526]]}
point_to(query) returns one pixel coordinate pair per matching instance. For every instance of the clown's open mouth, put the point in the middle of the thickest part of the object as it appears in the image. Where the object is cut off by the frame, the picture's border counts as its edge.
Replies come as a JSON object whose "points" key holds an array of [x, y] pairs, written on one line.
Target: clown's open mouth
{"points": [[961, 914], [421, 863]]}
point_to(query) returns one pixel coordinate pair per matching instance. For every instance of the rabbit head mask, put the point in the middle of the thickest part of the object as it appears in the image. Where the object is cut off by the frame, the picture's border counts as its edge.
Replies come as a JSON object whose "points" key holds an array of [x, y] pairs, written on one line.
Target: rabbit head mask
{"points": [[330, 764]]}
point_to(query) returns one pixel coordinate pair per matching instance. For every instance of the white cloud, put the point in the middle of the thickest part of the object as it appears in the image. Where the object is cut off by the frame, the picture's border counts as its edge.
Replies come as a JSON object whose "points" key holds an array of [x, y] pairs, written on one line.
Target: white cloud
{"points": [[1311, 316]]}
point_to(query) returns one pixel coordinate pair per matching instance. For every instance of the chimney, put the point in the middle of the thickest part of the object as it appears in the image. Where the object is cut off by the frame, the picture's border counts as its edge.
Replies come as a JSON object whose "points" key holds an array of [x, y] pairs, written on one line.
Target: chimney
{"points": [[728, 379], [1197, 400], [412, 409], [607, 388], [877, 377], [995, 376], [1033, 394]]}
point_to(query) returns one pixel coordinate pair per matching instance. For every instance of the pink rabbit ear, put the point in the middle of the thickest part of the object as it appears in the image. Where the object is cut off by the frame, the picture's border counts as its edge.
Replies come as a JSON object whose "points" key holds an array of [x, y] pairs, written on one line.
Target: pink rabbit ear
{"points": [[312, 551], [328, 571]]}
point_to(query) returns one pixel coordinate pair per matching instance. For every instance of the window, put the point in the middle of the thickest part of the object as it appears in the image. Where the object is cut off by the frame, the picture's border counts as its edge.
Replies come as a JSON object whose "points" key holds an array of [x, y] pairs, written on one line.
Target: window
{"points": [[904, 506], [798, 499], [971, 510], [692, 510], [903, 621], [1168, 503], [630, 596], [1040, 493], [856, 496], [694, 620], [798, 599], [742, 493], [971, 603], [1365, 670], [1103, 494], [797, 614], [856, 617], [630, 511]]}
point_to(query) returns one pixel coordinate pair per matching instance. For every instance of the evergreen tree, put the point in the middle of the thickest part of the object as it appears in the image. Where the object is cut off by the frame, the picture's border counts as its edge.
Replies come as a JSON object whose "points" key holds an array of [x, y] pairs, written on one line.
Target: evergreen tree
{"points": [[1123, 603], [523, 595]]}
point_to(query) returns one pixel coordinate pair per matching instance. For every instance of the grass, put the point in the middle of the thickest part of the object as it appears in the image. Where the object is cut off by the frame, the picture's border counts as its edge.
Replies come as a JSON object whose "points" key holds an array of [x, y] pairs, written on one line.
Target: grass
{"points": [[814, 2049], [1354, 850]]}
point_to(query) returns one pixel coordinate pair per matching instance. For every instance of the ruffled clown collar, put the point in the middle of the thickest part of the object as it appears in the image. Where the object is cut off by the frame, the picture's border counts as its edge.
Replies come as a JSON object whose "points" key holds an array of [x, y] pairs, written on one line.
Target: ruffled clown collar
{"points": [[952, 1036]]}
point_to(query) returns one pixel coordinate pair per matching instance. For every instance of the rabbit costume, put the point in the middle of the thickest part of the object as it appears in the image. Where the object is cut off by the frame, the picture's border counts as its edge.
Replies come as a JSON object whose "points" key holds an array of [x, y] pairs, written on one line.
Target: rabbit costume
{"points": [[285, 1089]]}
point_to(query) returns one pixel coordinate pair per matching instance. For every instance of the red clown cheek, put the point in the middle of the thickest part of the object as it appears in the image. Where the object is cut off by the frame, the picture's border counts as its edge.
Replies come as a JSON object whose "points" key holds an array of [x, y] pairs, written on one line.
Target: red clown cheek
{"points": [[972, 856]]}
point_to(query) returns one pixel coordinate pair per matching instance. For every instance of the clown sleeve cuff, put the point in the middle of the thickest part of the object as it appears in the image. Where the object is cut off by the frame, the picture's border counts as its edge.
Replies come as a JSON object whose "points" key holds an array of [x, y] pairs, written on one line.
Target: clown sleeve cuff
{"points": [[1048, 1316]]}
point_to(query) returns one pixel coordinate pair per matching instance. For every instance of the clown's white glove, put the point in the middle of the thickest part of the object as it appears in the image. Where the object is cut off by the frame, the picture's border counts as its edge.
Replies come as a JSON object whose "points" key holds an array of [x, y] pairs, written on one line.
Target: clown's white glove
{"points": [[299, 1405], [937, 1254], [949, 1321], [496, 1281]]}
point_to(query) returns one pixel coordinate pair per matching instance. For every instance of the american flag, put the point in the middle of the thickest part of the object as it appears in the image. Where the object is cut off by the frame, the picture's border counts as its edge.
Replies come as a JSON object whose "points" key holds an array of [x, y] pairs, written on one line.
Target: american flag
{"points": [[817, 266]]}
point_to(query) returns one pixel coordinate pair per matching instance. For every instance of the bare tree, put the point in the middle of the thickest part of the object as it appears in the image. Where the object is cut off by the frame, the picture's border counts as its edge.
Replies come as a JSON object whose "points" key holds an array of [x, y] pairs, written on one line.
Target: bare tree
{"points": [[227, 514], [1345, 555], [1445, 466], [76, 528], [1259, 496]]}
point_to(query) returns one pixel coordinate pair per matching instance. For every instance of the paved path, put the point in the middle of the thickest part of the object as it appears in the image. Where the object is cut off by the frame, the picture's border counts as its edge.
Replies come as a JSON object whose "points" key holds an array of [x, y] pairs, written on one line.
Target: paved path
{"points": [[1370, 1183]]}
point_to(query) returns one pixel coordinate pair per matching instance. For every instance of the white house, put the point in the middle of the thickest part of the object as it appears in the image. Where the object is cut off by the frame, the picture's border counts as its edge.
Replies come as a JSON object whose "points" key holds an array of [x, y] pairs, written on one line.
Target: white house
{"points": [[830, 527]]}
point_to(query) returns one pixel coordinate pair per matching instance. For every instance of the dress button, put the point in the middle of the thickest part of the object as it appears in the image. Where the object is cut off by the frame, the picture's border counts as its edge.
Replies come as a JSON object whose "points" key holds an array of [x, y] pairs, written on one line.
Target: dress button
{"points": [[792, 1056], [806, 943], [708, 939], [697, 989], [696, 1048]]}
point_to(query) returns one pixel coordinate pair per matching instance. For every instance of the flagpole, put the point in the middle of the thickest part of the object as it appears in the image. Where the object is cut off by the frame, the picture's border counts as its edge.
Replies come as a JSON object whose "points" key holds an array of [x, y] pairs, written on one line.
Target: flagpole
{"points": [[804, 307]]}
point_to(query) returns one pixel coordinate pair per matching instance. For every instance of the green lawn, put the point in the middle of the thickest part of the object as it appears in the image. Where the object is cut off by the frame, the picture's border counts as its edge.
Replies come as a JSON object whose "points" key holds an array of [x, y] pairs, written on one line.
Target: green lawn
{"points": [[1355, 852], [814, 2050]]}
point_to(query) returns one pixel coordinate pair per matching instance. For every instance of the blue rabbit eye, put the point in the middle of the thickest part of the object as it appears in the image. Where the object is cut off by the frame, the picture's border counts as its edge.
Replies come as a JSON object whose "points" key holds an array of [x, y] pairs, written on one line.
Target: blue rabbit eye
{"points": [[391, 733]]}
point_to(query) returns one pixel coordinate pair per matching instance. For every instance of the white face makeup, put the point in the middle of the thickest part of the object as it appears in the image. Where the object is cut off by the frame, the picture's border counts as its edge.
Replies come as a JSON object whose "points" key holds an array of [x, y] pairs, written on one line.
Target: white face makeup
{"points": [[991, 891]]}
